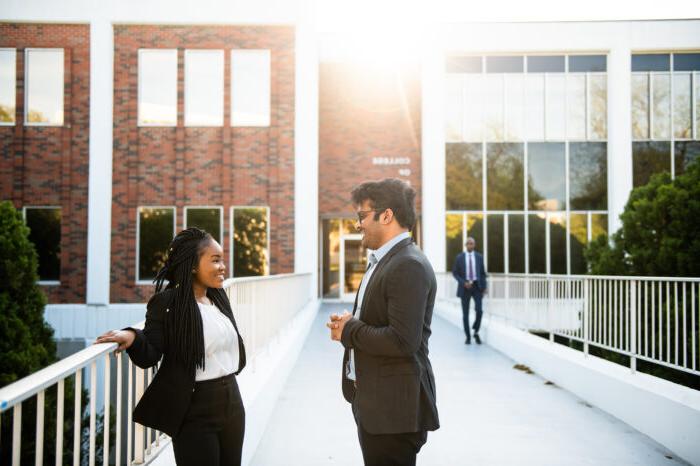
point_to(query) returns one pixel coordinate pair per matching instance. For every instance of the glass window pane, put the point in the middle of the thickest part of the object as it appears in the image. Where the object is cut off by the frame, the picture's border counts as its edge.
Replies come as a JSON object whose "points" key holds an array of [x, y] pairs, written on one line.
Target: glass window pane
{"points": [[475, 229], [331, 258], [685, 153], [157, 87], [588, 176], [661, 106], [493, 107], [44, 86], [649, 158], [156, 231], [515, 109], [578, 231], [204, 87], [537, 243], [473, 106], [651, 62], [556, 107], [463, 177], [576, 106], [557, 242], [504, 176], [516, 243], [599, 225], [682, 106], [464, 64], [453, 238], [598, 96], [250, 87], [534, 101], [45, 233], [546, 175], [8, 71], [454, 107], [250, 242], [686, 61], [546, 64], [504, 64], [208, 219], [581, 63], [495, 263], [640, 106]]}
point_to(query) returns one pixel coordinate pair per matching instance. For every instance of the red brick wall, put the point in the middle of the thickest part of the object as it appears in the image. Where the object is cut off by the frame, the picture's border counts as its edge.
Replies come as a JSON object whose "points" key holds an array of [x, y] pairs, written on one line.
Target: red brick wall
{"points": [[49, 165], [183, 166], [365, 113]]}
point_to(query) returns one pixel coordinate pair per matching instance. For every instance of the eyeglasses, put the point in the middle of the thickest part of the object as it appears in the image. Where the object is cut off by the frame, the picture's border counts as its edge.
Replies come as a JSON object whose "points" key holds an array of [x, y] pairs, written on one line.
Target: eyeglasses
{"points": [[362, 214]]}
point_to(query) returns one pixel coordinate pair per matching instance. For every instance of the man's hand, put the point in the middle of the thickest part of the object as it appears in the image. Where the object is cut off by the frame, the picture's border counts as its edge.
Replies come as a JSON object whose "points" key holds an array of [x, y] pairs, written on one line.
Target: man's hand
{"points": [[124, 338], [485, 292], [467, 284], [337, 324]]}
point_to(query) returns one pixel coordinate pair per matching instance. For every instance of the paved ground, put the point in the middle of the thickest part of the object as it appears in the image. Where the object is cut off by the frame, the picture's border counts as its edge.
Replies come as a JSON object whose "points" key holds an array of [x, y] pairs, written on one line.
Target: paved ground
{"points": [[490, 413]]}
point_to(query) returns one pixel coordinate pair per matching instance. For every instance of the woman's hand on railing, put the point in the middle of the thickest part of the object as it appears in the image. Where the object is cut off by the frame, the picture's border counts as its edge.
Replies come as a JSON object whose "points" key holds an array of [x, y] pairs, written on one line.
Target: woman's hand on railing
{"points": [[124, 338]]}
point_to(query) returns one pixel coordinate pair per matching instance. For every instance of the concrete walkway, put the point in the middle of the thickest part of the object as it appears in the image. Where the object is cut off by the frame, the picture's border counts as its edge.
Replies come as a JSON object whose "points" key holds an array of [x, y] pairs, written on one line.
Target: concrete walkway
{"points": [[490, 413]]}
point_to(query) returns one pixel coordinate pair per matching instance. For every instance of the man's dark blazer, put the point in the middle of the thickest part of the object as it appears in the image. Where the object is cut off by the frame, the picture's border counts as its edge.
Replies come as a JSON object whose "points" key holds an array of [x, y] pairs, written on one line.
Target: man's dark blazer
{"points": [[165, 401], [459, 271], [395, 390]]}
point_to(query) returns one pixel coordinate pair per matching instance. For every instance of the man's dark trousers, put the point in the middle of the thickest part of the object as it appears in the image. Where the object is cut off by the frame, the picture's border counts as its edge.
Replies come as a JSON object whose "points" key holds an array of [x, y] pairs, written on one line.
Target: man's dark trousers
{"points": [[469, 293]]}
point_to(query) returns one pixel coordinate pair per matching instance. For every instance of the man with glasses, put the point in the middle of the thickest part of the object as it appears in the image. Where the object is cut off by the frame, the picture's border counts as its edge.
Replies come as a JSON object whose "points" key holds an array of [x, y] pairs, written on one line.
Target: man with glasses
{"points": [[387, 376]]}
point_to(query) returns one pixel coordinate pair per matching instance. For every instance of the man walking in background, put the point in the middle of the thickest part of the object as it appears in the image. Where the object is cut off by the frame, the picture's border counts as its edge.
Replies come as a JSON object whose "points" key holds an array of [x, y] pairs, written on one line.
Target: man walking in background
{"points": [[470, 274]]}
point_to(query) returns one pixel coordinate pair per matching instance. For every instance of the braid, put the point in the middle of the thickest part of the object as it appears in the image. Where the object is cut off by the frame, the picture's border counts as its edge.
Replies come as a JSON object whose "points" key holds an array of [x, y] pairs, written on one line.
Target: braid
{"points": [[183, 327]]}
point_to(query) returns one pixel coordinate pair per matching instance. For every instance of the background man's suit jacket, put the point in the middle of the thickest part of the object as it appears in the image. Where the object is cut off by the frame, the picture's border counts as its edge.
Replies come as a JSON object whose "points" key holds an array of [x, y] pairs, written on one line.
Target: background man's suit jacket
{"points": [[459, 271], [395, 384]]}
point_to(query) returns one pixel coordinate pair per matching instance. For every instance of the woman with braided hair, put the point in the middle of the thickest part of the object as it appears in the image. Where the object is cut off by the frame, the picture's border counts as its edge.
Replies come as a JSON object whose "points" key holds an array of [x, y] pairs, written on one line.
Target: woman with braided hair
{"points": [[194, 395]]}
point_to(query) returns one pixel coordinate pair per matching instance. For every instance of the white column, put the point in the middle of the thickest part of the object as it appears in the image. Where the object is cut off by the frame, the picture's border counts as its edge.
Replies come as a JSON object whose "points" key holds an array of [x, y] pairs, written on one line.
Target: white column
{"points": [[433, 151], [100, 178], [619, 133], [306, 144]]}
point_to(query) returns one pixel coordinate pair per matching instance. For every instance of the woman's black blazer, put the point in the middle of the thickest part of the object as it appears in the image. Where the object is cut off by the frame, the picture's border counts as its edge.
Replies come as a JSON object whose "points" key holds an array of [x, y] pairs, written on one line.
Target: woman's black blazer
{"points": [[165, 401]]}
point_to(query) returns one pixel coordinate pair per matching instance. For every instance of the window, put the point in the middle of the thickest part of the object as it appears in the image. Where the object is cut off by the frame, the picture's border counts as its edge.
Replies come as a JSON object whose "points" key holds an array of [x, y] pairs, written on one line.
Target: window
{"points": [[504, 166], [45, 233], [157, 100], [250, 87], [204, 87], [155, 227], [44, 87], [495, 260], [250, 229], [8, 72], [209, 219], [463, 175], [588, 176], [546, 176]]}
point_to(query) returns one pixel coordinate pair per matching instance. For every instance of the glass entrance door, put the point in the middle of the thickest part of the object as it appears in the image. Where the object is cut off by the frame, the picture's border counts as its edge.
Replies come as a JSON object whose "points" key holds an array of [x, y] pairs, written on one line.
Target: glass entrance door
{"points": [[353, 263]]}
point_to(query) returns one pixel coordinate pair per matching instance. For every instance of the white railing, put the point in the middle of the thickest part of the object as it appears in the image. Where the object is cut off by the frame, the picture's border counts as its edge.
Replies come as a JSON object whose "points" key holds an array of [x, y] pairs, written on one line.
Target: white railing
{"points": [[262, 306], [653, 319]]}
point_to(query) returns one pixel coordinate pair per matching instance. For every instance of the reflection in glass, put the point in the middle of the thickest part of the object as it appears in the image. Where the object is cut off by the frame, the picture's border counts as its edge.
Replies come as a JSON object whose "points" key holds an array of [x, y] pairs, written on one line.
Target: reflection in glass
{"points": [[8, 71], [534, 104], [349, 226], [537, 243], [250, 87], [504, 64], [599, 225], [250, 242], [686, 61], [208, 219], [157, 99], [661, 106], [651, 62], [578, 227], [588, 175], [546, 175], [516, 243], [682, 106], [599, 106], [204, 87], [581, 63], [555, 111], [463, 163], [473, 105], [475, 229], [495, 262], [331, 258], [44, 87], [557, 241], [576, 106], [685, 153], [546, 63], [640, 106], [453, 239], [697, 104], [156, 231], [515, 87], [493, 107], [649, 158], [504, 176], [453, 107], [45, 233], [355, 265]]}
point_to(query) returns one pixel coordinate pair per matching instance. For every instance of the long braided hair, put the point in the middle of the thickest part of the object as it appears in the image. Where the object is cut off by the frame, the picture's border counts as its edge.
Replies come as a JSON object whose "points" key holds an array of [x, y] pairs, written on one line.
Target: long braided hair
{"points": [[183, 327]]}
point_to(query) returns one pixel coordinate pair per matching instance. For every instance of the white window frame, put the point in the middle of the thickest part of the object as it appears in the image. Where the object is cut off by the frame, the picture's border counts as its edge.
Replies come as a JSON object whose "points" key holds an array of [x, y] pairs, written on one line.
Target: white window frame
{"points": [[139, 86], [223, 87], [14, 88], [268, 77], [220, 239], [231, 241], [137, 280], [24, 219], [27, 79]]}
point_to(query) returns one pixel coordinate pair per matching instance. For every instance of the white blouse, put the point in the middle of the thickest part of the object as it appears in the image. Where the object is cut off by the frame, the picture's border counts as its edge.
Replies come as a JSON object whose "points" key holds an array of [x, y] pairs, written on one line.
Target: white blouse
{"points": [[220, 344]]}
